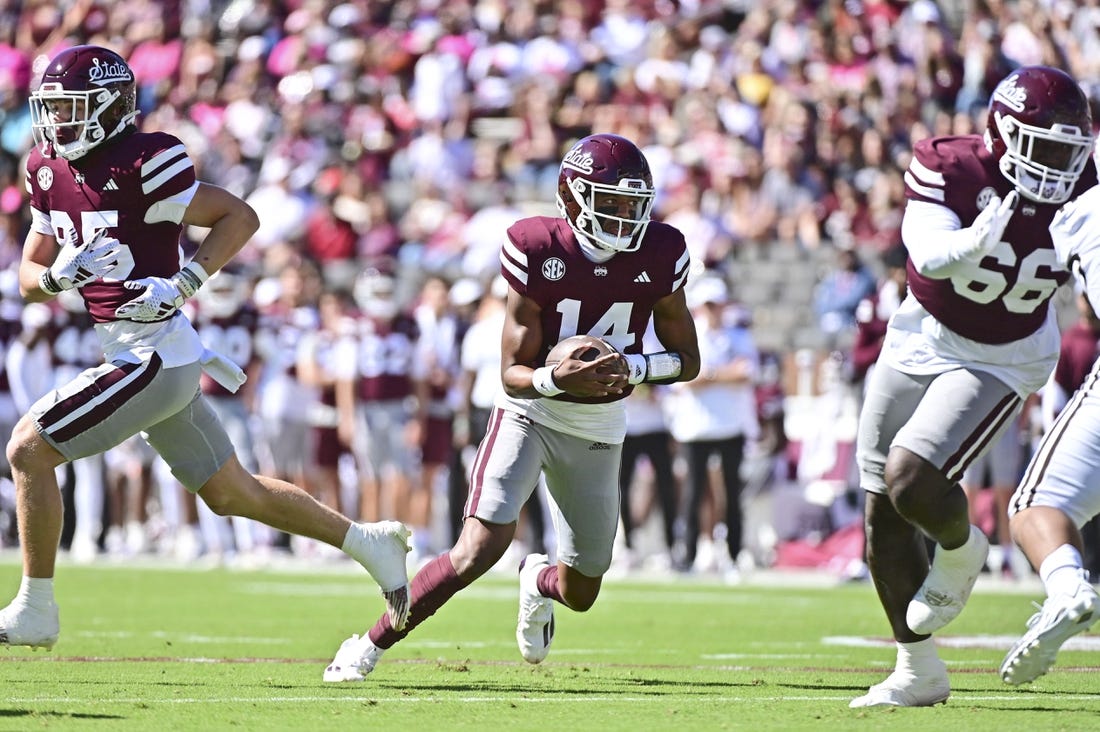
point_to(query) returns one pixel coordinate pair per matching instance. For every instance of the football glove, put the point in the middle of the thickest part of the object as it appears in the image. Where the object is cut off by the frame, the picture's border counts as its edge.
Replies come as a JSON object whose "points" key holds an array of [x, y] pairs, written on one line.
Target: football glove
{"points": [[989, 226], [163, 296], [77, 265]]}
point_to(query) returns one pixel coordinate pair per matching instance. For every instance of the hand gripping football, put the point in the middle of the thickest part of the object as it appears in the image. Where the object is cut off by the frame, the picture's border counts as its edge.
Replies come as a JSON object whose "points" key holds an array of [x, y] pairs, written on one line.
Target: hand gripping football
{"points": [[596, 347]]}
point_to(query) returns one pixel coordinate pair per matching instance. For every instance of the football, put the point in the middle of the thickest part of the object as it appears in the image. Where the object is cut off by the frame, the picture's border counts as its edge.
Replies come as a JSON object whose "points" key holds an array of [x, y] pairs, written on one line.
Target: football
{"points": [[596, 347]]}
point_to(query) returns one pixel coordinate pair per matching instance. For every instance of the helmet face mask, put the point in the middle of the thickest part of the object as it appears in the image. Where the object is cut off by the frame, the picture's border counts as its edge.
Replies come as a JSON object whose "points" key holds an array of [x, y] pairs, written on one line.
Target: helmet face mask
{"points": [[605, 191], [87, 95], [1041, 129]]}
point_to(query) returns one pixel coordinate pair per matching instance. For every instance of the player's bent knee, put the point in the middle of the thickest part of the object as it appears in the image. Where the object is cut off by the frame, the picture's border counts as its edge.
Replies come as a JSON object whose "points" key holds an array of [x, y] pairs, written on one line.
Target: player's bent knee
{"points": [[580, 592], [26, 448], [580, 602], [224, 493], [910, 482]]}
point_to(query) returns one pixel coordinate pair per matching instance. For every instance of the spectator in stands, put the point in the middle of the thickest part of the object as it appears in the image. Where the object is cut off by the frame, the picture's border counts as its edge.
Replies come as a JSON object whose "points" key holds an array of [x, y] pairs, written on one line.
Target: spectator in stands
{"points": [[648, 442], [715, 415], [838, 294]]}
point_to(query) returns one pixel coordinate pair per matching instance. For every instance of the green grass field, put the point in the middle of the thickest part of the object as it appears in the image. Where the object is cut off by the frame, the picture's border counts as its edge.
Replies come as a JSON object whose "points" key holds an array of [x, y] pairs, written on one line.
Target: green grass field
{"points": [[154, 648]]}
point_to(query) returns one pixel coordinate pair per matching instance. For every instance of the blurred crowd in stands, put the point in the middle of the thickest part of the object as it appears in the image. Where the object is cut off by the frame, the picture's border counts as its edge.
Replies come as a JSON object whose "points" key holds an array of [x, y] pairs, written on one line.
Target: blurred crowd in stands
{"points": [[387, 146]]}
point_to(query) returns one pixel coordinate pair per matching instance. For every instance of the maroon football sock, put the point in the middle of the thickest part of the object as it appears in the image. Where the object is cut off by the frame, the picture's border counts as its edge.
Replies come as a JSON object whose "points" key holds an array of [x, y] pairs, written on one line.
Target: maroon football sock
{"points": [[547, 583], [432, 586]]}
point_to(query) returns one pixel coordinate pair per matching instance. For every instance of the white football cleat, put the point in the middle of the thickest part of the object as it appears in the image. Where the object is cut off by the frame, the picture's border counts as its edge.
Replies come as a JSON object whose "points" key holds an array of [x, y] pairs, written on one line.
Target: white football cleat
{"points": [[1060, 618], [535, 628], [902, 689], [948, 585], [21, 625], [381, 548], [355, 659]]}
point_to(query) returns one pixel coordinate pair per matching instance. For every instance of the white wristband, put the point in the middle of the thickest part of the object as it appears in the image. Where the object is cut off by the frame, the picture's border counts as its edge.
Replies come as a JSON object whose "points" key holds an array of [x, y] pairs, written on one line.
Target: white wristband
{"points": [[189, 279], [638, 366], [543, 381], [663, 365]]}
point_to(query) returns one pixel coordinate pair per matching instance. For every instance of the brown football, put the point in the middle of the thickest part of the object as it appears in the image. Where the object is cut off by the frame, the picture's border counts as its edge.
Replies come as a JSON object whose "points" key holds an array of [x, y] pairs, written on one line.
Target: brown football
{"points": [[596, 347]]}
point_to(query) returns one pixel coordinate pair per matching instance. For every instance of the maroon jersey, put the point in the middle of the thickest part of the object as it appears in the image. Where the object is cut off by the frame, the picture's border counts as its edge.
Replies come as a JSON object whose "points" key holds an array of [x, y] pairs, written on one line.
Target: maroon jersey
{"points": [[613, 300], [870, 332], [1004, 297], [135, 187], [233, 337], [385, 359], [1080, 347]]}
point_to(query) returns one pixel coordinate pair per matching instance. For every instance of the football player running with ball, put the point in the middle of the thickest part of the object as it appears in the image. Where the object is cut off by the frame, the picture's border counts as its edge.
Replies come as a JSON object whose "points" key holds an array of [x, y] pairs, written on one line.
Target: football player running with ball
{"points": [[975, 335], [108, 205], [603, 269]]}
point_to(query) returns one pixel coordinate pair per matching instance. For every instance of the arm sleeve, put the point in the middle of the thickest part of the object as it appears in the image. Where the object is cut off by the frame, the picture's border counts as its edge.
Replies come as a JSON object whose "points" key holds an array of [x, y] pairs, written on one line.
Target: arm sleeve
{"points": [[935, 239]]}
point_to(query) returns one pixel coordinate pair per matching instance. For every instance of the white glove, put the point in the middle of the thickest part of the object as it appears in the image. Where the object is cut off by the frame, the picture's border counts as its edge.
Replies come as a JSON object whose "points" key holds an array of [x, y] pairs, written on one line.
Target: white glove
{"points": [[989, 226], [76, 266], [163, 295]]}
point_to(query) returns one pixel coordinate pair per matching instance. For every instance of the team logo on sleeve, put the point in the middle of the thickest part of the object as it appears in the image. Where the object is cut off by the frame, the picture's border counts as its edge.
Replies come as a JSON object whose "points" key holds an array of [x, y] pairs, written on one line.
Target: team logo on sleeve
{"points": [[985, 195], [45, 178], [553, 269]]}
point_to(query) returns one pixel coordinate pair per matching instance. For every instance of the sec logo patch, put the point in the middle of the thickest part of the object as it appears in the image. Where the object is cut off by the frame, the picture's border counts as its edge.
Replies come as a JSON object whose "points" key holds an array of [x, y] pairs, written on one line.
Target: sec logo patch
{"points": [[553, 269], [45, 178]]}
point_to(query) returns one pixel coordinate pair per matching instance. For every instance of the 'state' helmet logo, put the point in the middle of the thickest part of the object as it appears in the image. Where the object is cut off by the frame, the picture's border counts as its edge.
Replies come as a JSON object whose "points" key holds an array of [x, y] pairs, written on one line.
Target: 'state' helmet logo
{"points": [[108, 72], [1010, 95], [578, 159]]}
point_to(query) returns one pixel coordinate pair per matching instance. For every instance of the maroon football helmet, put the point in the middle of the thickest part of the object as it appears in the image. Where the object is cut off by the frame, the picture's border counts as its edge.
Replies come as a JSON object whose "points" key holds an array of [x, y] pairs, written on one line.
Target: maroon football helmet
{"points": [[87, 95], [1040, 128], [605, 190]]}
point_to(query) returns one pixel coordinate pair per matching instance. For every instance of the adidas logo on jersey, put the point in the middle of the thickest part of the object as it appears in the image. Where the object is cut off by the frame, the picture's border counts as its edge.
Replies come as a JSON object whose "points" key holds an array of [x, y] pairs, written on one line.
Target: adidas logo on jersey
{"points": [[110, 185], [643, 277], [599, 446]]}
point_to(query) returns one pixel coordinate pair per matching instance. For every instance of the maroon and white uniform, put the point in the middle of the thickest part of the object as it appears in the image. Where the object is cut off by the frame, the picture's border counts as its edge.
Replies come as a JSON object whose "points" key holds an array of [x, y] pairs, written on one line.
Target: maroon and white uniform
{"points": [[284, 401], [234, 337], [613, 300], [992, 314], [138, 188], [968, 344], [1063, 472], [385, 359]]}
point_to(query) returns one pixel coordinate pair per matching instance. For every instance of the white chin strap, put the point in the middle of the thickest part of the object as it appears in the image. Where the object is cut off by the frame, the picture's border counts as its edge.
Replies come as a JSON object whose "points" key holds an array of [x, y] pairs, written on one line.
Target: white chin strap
{"points": [[591, 250]]}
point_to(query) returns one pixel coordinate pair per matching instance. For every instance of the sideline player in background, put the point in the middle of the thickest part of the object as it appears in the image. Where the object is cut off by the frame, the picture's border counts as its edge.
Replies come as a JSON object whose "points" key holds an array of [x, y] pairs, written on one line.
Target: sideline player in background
{"points": [[974, 337], [602, 268], [1060, 490], [108, 205]]}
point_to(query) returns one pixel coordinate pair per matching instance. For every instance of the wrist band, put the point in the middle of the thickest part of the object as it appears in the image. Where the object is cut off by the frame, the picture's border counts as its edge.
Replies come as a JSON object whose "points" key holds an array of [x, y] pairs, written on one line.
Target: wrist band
{"points": [[663, 365], [190, 278], [639, 369], [48, 283], [543, 381]]}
